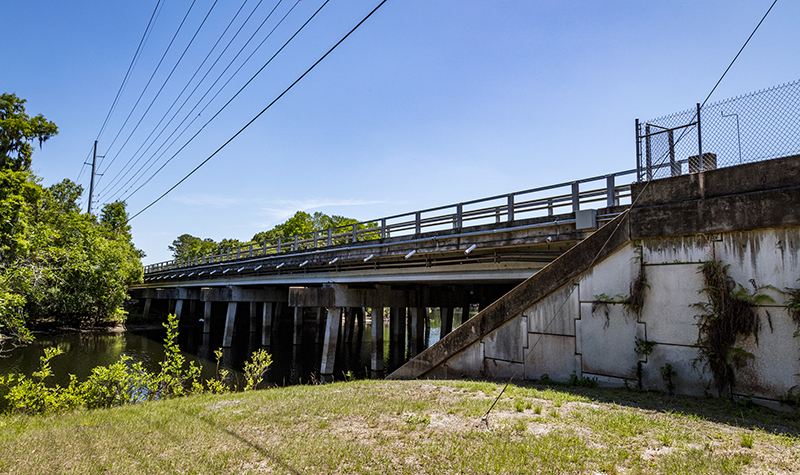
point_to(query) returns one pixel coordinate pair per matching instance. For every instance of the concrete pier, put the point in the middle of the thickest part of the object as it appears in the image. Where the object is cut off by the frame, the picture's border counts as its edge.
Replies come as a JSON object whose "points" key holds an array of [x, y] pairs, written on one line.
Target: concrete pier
{"points": [[329, 345], [376, 359]]}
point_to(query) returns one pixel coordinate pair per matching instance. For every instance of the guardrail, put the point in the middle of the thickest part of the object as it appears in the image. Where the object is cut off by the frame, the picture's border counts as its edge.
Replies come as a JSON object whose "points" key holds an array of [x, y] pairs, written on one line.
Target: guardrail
{"points": [[509, 207]]}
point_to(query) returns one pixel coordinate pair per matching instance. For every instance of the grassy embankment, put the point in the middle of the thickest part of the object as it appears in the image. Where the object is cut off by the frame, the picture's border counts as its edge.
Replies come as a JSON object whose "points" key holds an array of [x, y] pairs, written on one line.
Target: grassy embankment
{"points": [[409, 427]]}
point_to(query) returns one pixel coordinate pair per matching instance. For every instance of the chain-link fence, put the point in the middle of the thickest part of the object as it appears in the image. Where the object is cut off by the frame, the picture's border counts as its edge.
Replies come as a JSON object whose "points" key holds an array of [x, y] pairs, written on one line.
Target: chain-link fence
{"points": [[757, 126]]}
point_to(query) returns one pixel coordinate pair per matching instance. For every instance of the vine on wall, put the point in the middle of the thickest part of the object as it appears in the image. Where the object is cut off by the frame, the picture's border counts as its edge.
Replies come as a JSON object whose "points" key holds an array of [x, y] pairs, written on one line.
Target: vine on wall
{"points": [[729, 314]]}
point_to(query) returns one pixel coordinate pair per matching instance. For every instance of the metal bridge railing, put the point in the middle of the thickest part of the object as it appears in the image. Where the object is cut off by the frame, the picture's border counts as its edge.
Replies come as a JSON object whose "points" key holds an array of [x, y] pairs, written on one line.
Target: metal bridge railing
{"points": [[754, 127], [568, 197]]}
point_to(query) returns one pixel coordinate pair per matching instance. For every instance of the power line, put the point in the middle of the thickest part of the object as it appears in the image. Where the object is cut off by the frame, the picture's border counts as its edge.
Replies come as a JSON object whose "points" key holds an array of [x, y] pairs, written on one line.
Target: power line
{"points": [[148, 83], [142, 41], [217, 94], [264, 109], [659, 163], [182, 91], [230, 63]]}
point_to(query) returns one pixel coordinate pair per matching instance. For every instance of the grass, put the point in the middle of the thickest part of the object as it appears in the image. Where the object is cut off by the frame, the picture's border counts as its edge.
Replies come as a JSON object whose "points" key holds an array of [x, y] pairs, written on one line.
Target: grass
{"points": [[409, 427]]}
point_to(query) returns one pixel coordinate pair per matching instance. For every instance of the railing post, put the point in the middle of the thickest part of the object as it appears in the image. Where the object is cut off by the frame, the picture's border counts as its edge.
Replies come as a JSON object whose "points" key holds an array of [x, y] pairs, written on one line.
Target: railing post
{"points": [[418, 222], [204, 259], [459, 215], [265, 248], [355, 233], [638, 154], [648, 153], [699, 141], [279, 245], [250, 252], [316, 236], [383, 228], [611, 198], [576, 197], [330, 237], [238, 252], [296, 239], [511, 207]]}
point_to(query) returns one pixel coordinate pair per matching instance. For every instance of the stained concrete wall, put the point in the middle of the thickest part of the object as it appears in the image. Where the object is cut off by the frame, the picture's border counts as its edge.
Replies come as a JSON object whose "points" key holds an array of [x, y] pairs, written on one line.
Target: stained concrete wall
{"points": [[570, 332]]}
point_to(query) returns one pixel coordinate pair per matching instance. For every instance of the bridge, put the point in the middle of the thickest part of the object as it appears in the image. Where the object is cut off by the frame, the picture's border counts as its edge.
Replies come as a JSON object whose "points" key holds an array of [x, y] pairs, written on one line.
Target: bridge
{"points": [[456, 258]]}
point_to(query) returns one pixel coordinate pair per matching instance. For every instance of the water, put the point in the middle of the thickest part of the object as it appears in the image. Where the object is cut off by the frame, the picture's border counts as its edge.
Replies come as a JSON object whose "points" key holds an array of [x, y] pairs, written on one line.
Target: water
{"points": [[292, 364]]}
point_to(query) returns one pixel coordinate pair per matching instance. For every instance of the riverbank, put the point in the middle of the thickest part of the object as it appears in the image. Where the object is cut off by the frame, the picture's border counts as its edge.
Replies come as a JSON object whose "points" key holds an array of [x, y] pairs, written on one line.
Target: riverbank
{"points": [[409, 427]]}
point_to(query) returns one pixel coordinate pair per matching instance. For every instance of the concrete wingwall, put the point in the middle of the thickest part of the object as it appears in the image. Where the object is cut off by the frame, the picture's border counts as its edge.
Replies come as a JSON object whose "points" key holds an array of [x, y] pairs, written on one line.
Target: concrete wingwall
{"points": [[571, 322]]}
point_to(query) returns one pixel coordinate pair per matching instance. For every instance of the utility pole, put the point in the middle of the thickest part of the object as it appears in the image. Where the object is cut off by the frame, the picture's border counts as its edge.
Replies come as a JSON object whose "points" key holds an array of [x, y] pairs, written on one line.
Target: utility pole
{"points": [[91, 183]]}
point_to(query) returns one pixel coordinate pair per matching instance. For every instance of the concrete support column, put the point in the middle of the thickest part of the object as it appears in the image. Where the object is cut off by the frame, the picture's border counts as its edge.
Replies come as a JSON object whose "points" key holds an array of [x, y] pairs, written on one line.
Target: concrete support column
{"points": [[377, 341], [318, 325], [349, 324], [227, 338], [465, 312], [178, 308], [207, 318], [447, 320], [266, 325], [192, 308], [329, 345], [298, 325], [253, 317], [416, 336], [171, 306], [397, 325], [146, 311]]}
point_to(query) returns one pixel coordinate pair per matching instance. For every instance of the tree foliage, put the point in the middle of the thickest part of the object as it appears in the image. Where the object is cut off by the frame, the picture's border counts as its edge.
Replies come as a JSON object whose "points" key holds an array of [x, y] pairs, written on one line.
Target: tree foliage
{"points": [[56, 264], [18, 131], [187, 246]]}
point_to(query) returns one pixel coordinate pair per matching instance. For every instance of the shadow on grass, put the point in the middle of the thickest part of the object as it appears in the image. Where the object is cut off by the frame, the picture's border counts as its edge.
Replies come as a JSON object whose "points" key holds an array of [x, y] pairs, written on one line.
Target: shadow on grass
{"points": [[263, 451], [720, 410]]}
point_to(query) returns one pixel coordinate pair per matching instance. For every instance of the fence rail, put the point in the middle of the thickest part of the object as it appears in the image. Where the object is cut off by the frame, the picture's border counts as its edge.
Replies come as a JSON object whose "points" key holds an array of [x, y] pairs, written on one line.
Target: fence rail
{"points": [[753, 127], [535, 202]]}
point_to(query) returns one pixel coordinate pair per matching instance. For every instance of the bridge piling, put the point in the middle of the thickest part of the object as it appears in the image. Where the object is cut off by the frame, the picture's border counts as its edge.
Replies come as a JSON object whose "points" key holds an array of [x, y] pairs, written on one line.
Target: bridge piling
{"points": [[178, 308], [266, 324], [318, 329], [227, 338], [377, 342], [417, 330], [206, 318], [446, 314], [297, 335], [253, 319], [146, 311], [330, 343]]}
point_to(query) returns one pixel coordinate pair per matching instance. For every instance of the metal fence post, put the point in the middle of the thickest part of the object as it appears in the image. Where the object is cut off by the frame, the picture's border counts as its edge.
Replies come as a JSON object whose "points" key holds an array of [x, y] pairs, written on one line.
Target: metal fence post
{"points": [[511, 207], [611, 198], [647, 152], [576, 197], [296, 239], [330, 236], [418, 223], [316, 236], [279, 245], [699, 141], [383, 228], [459, 215], [638, 154]]}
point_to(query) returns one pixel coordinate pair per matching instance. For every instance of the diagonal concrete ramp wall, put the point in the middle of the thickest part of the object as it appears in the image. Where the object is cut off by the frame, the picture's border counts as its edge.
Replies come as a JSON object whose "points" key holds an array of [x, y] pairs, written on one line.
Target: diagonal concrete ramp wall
{"points": [[746, 216]]}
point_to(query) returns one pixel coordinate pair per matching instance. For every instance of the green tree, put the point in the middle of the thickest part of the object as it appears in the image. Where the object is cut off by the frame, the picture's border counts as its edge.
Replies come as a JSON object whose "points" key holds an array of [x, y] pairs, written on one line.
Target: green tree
{"points": [[18, 131], [187, 246], [56, 264]]}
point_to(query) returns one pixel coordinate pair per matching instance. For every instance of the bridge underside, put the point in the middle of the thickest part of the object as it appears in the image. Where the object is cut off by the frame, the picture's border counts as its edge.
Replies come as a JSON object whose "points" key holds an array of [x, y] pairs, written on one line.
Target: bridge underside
{"points": [[405, 278]]}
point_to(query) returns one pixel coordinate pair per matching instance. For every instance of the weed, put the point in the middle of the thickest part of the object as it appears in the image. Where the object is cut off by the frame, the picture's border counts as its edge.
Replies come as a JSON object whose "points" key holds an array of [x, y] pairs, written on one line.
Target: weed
{"points": [[728, 315], [747, 440], [519, 425], [666, 374], [643, 348], [537, 409], [520, 405], [256, 368]]}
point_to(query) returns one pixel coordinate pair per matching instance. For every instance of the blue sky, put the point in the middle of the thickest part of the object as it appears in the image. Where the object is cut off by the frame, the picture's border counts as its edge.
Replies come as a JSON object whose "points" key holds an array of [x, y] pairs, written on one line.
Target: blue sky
{"points": [[430, 102]]}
